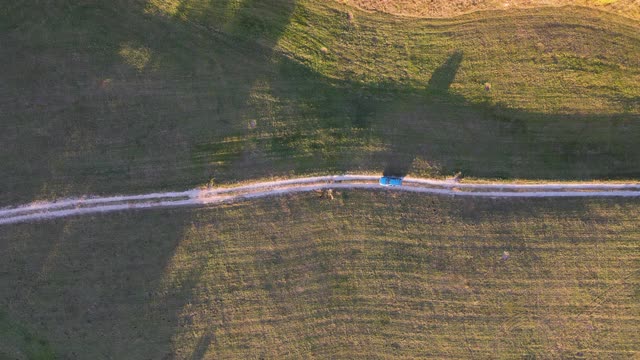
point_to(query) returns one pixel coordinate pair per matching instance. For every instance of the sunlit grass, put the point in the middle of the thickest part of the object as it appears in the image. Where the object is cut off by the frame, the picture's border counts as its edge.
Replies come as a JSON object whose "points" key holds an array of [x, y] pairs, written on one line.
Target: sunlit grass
{"points": [[167, 7], [366, 274], [136, 56], [449, 8], [115, 98]]}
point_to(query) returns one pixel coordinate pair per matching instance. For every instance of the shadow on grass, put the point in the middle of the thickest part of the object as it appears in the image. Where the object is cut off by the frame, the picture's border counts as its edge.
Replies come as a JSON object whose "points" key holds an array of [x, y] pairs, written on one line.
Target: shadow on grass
{"points": [[266, 278], [445, 74], [402, 151], [138, 101], [87, 293], [142, 86], [169, 103]]}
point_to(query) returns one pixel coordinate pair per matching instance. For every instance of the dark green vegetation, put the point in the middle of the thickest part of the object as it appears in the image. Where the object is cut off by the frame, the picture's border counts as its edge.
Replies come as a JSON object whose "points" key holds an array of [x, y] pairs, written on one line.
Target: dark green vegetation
{"points": [[367, 275], [16, 342], [129, 96]]}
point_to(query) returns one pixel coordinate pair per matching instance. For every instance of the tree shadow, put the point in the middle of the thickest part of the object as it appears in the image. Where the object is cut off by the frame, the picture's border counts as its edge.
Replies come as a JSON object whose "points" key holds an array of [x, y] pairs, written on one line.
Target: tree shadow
{"points": [[445, 74], [202, 347], [154, 83], [171, 99], [88, 294], [195, 73], [217, 72], [401, 152]]}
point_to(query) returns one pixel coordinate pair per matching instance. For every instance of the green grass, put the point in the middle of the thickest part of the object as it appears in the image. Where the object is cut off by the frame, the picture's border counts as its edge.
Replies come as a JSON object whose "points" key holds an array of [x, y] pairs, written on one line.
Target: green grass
{"points": [[16, 342], [367, 275], [124, 96]]}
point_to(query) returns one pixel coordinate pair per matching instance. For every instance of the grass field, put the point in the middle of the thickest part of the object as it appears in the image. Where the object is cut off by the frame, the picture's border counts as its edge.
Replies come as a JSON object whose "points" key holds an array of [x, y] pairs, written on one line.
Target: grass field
{"points": [[367, 275], [133, 96]]}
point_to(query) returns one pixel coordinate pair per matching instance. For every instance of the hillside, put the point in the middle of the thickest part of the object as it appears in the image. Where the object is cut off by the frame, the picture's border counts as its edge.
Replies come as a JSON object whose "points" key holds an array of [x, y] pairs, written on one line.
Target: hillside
{"points": [[366, 275], [110, 97], [134, 96]]}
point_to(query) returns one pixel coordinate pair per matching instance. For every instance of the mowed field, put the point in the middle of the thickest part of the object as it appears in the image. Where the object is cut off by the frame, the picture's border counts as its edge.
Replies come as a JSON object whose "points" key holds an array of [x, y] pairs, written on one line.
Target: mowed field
{"points": [[448, 8], [106, 97], [366, 275]]}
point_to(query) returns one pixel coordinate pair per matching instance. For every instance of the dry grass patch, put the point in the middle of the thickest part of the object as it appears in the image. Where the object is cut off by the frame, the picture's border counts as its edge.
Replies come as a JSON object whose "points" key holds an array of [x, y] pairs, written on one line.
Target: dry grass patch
{"points": [[448, 8]]}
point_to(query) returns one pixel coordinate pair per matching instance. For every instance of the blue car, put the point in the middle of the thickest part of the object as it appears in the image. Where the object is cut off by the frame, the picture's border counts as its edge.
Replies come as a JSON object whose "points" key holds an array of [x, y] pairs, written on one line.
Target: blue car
{"points": [[390, 181]]}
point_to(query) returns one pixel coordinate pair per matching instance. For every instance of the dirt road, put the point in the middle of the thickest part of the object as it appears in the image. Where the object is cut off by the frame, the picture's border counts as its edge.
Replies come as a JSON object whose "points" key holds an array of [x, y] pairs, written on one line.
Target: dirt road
{"points": [[86, 205]]}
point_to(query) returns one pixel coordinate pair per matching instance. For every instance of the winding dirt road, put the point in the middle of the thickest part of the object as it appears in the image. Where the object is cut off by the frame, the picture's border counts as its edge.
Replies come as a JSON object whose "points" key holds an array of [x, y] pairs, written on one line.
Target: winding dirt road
{"points": [[87, 205]]}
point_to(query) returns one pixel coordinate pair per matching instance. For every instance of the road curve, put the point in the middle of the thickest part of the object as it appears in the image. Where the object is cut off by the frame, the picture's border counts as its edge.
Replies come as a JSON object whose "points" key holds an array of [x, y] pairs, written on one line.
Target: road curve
{"points": [[86, 205]]}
